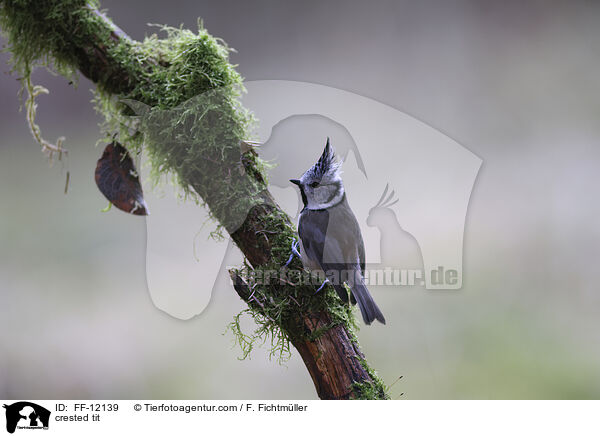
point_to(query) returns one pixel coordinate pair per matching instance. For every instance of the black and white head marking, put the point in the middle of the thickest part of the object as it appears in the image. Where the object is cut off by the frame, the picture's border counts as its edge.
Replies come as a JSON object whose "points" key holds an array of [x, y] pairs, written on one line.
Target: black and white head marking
{"points": [[321, 185]]}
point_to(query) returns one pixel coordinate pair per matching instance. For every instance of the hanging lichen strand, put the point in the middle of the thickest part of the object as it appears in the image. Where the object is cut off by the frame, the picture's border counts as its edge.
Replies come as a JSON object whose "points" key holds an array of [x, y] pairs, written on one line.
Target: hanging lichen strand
{"points": [[196, 140], [180, 97]]}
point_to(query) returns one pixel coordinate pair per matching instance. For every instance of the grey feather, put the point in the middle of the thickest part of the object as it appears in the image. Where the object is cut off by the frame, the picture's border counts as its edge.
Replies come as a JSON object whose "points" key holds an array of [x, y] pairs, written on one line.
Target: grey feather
{"points": [[332, 242], [330, 237]]}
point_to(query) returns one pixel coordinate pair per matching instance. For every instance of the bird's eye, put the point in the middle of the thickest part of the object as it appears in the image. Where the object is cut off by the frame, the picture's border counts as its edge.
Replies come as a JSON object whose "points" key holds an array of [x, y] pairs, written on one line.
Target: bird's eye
{"points": [[314, 184]]}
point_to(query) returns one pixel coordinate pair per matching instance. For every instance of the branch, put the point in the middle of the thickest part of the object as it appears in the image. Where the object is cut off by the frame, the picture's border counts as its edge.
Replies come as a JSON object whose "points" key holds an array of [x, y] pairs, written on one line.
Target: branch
{"points": [[74, 35]]}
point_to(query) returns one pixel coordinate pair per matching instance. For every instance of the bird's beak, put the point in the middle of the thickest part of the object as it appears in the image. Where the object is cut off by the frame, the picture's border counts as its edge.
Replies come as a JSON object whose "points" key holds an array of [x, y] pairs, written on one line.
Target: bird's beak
{"points": [[295, 181]]}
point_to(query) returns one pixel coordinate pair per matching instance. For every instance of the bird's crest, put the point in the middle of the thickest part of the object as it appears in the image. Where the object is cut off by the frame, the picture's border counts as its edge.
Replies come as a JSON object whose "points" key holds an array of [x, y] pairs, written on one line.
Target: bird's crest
{"points": [[327, 165]]}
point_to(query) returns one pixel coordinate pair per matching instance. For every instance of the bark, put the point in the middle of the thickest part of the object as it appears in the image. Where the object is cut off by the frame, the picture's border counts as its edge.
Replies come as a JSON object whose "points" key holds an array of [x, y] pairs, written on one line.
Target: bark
{"points": [[334, 360]]}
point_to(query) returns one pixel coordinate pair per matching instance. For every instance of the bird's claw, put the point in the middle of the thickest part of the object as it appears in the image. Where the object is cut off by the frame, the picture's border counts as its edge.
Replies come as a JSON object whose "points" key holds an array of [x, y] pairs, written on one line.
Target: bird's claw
{"points": [[294, 251], [321, 287]]}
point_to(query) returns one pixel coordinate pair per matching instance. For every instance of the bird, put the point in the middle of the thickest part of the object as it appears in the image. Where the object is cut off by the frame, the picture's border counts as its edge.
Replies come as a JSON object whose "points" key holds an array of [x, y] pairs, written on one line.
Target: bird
{"points": [[330, 239]]}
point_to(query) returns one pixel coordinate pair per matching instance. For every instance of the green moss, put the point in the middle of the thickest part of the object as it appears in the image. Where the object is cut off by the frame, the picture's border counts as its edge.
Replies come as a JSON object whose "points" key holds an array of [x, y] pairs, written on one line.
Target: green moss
{"points": [[38, 35], [39, 32], [280, 348], [193, 122], [277, 303], [187, 106], [369, 391], [375, 390]]}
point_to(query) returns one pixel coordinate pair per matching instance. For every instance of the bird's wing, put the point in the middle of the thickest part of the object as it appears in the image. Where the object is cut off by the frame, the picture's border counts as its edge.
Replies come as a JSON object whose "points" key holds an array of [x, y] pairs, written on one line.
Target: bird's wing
{"points": [[312, 229], [332, 237], [361, 255], [343, 242]]}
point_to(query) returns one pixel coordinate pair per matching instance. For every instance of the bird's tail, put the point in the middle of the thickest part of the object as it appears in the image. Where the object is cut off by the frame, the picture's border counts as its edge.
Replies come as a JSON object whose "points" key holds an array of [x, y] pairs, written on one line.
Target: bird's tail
{"points": [[366, 304]]}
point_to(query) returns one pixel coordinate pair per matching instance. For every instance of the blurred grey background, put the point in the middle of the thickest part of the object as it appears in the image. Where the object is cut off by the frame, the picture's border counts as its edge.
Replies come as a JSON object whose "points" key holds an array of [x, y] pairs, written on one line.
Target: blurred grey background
{"points": [[515, 82]]}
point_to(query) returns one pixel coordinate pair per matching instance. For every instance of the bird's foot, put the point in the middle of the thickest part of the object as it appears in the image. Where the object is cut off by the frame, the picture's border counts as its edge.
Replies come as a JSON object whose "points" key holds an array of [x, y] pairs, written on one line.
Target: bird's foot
{"points": [[294, 251], [321, 287]]}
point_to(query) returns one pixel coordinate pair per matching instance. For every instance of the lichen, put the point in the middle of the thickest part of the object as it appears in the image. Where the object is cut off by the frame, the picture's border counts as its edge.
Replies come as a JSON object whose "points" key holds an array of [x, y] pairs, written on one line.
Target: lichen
{"points": [[50, 149], [33, 32]]}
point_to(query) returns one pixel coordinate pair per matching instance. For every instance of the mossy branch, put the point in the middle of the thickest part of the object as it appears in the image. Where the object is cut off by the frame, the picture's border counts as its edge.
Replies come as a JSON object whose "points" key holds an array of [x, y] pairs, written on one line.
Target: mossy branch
{"points": [[196, 139]]}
